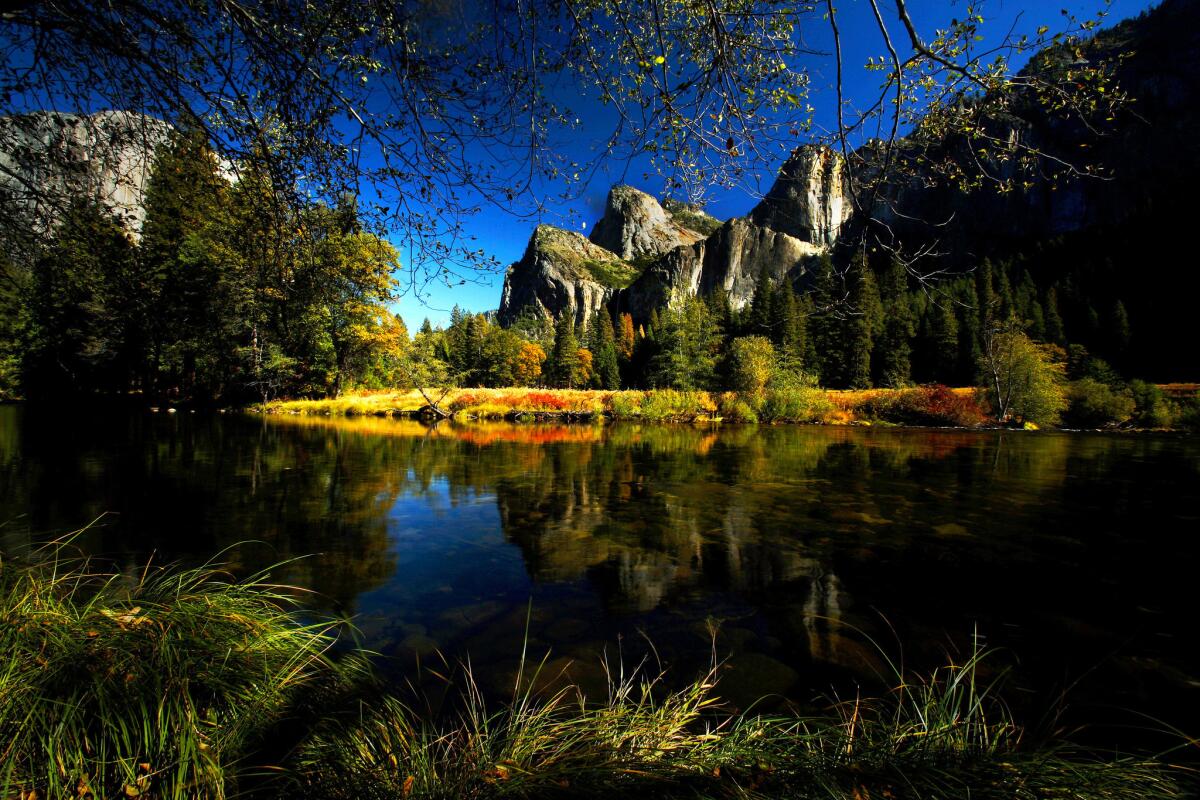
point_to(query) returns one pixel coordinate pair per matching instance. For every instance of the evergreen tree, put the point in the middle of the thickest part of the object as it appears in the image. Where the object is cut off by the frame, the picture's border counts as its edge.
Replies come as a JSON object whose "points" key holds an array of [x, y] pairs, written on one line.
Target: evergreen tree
{"points": [[758, 320], [986, 303], [602, 343], [688, 347], [564, 364], [193, 290], [1029, 309], [1119, 334], [892, 352], [1055, 331], [944, 341], [721, 309], [792, 324], [863, 323], [970, 332], [83, 322], [824, 327]]}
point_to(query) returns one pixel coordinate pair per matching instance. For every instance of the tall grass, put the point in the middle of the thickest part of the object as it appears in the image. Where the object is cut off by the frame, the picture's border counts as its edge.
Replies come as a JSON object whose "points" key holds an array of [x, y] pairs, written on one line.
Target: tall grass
{"points": [[945, 737], [156, 684], [176, 683]]}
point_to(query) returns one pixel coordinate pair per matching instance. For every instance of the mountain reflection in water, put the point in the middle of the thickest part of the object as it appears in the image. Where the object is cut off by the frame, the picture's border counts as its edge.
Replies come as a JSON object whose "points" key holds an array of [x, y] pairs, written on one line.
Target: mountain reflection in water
{"points": [[801, 545]]}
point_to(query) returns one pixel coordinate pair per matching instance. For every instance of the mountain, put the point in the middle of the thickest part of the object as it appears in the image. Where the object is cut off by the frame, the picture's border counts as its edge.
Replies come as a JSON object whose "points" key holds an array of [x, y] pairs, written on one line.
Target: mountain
{"points": [[48, 159], [656, 252], [1119, 238]]}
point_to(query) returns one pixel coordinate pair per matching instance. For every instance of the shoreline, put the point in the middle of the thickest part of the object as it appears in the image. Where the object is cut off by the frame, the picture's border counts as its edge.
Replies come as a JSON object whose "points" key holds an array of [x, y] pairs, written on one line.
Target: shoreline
{"points": [[936, 407]]}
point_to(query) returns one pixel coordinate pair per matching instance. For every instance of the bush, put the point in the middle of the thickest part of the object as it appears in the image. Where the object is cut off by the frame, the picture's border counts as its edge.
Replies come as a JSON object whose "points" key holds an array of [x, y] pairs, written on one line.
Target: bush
{"points": [[1092, 404], [672, 405], [1189, 415], [751, 359], [625, 405], [1151, 408], [935, 405], [795, 405], [733, 408]]}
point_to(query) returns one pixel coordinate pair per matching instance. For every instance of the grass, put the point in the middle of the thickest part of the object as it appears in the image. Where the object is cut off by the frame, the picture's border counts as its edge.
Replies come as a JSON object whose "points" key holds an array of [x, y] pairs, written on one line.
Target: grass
{"points": [[154, 684], [586, 260], [174, 683], [936, 405]]}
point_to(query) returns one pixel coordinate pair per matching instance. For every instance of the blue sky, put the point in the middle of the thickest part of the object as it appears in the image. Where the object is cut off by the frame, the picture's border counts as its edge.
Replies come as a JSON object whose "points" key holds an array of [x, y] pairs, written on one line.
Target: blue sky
{"points": [[503, 235]]}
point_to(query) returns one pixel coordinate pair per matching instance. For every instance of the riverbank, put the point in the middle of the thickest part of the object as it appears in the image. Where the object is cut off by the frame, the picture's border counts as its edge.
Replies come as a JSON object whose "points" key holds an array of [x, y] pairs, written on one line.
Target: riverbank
{"points": [[172, 683], [925, 405]]}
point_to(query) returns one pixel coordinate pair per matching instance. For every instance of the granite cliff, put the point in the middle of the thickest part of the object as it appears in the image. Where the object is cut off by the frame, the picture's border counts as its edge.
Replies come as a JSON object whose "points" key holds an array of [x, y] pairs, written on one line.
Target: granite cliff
{"points": [[48, 160], [1052, 223], [655, 253]]}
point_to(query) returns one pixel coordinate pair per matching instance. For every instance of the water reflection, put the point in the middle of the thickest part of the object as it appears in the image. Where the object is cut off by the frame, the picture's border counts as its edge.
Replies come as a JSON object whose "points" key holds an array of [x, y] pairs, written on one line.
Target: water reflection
{"points": [[1070, 549]]}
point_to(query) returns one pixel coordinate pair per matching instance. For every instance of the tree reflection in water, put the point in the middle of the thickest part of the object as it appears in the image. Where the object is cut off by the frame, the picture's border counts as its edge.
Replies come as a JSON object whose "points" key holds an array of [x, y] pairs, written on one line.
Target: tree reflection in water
{"points": [[801, 541]]}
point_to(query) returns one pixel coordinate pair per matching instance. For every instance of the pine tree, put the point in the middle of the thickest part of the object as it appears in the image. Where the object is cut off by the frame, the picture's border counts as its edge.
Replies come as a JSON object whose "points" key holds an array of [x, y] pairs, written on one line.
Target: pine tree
{"points": [[823, 328], [985, 297], [1055, 331], [603, 346], [688, 346], [970, 333], [892, 354], [1118, 333], [758, 322], [564, 359], [82, 324], [793, 327], [195, 287], [865, 319], [944, 341]]}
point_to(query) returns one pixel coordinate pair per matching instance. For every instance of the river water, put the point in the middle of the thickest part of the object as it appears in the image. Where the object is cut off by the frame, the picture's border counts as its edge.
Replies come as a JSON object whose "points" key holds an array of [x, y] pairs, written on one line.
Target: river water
{"points": [[823, 557]]}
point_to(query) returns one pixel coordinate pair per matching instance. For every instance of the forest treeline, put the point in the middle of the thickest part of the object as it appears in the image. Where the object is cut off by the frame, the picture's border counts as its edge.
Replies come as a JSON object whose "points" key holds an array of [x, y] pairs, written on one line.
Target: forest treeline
{"points": [[229, 297], [226, 295]]}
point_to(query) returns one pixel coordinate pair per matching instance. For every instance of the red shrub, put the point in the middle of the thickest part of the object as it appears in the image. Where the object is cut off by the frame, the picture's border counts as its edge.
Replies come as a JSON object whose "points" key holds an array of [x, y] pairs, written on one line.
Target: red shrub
{"points": [[936, 404]]}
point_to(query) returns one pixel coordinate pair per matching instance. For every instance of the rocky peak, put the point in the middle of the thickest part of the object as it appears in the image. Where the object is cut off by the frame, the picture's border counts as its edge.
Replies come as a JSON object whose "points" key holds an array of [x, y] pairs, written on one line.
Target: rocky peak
{"points": [[635, 225], [562, 272], [48, 159], [810, 199]]}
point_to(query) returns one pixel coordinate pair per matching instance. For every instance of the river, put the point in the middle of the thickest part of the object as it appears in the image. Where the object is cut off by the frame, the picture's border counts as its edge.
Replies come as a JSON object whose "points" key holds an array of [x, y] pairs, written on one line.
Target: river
{"points": [[823, 557]]}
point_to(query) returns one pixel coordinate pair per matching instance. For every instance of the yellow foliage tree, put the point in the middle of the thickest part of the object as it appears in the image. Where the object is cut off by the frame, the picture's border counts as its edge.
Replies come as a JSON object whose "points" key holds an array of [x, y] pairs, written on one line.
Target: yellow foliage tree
{"points": [[528, 369]]}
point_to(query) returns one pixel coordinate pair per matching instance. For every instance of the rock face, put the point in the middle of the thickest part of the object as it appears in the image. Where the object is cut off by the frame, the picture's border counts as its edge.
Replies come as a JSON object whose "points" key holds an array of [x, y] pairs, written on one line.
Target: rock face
{"points": [[689, 254], [810, 199], [635, 225], [731, 259], [1151, 150], [562, 273], [47, 160]]}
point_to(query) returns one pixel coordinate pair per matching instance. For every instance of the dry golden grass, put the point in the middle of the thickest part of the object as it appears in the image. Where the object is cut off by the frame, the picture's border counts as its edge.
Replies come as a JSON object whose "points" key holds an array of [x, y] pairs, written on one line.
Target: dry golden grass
{"points": [[845, 406]]}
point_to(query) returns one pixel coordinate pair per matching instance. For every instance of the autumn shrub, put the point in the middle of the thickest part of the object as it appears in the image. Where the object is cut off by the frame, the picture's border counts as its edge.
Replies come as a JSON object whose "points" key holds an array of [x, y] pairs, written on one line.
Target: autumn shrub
{"points": [[935, 405], [544, 401], [462, 401], [733, 408], [879, 404], [673, 405], [1188, 417], [1151, 406], [1092, 404], [801, 404], [625, 405]]}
